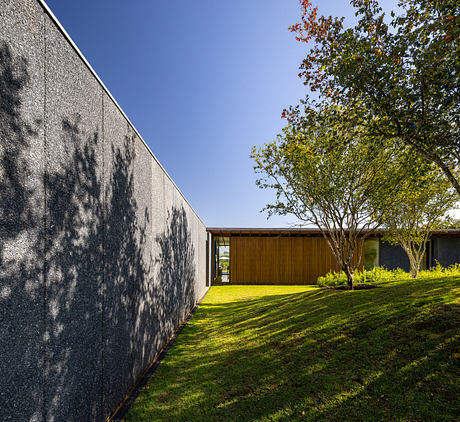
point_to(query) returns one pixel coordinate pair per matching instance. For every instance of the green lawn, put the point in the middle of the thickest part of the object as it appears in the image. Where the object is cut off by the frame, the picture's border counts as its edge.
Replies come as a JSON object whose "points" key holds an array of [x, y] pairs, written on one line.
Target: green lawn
{"points": [[269, 353]]}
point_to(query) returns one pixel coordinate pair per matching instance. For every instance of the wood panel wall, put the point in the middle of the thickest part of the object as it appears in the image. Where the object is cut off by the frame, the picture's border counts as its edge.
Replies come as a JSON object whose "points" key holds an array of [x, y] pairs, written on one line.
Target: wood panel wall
{"points": [[279, 260]]}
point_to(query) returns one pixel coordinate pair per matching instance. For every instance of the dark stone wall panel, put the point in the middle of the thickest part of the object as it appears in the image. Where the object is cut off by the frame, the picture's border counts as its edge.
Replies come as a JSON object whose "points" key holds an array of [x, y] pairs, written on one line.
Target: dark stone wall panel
{"points": [[171, 244], [446, 251], [200, 281], [393, 256], [187, 256], [122, 257], [74, 234], [21, 209], [194, 289], [100, 255], [144, 312], [158, 230], [199, 238]]}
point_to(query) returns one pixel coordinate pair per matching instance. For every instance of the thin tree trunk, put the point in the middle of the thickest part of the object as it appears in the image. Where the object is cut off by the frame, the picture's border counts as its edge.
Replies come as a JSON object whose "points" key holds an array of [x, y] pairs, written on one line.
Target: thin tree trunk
{"points": [[339, 250], [413, 264], [349, 273], [415, 267], [448, 173], [437, 160], [415, 256]]}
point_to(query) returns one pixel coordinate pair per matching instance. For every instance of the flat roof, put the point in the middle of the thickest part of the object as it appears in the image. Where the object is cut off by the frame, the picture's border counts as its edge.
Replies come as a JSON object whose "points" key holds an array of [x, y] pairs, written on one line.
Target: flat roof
{"points": [[299, 231], [260, 230]]}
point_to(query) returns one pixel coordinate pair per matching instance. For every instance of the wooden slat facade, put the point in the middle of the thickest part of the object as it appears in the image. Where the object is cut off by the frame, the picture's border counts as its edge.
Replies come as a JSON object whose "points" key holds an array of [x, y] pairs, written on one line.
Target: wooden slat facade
{"points": [[279, 260]]}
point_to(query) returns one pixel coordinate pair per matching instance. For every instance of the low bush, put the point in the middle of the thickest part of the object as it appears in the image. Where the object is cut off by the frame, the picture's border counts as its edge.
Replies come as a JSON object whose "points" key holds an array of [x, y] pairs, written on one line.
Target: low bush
{"points": [[382, 275], [440, 271]]}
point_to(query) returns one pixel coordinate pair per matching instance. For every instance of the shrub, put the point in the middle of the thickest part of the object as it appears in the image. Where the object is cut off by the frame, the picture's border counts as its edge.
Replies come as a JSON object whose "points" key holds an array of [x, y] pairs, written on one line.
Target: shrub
{"points": [[333, 279], [382, 275], [440, 271]]}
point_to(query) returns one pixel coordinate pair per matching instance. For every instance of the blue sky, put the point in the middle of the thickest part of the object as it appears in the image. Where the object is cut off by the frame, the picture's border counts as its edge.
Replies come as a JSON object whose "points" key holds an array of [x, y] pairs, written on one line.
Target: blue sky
{"points": [[202, 81]]}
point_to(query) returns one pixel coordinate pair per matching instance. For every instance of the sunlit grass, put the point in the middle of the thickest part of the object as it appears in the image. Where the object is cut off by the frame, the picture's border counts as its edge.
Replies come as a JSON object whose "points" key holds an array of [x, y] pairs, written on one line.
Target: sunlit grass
{"points": [[271, 353]]}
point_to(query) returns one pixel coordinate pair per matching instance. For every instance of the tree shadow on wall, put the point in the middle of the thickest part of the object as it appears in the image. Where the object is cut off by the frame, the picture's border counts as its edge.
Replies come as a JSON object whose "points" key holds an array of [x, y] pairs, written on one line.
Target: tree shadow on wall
{"points": [[16, 214], [128, 293], [175, 290], [66, 320], [102, 295], [21, 246], [81, 309], [74, 276]]}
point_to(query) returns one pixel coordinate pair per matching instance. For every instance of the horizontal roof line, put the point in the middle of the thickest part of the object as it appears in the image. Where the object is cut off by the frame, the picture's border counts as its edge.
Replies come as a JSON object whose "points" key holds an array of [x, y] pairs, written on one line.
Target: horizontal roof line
{"points": [[306, 230]]}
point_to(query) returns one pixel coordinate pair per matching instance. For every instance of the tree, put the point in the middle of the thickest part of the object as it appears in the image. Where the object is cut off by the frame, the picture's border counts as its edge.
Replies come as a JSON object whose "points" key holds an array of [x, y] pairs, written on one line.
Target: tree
{"points": [[423, 203], [405, 73], [327, 173], [451, 223]]}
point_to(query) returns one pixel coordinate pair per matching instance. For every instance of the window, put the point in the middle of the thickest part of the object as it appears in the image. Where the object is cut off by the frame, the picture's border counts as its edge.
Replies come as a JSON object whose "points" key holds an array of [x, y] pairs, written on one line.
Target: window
{"points": [[371, 253], [223, 259]]}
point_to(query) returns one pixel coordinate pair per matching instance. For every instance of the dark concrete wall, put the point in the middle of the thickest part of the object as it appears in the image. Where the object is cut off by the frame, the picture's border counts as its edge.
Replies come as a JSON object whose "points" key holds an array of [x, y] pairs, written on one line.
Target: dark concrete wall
{"points": [[22, 210], [101, 257], [446, 251], [393, 256]]}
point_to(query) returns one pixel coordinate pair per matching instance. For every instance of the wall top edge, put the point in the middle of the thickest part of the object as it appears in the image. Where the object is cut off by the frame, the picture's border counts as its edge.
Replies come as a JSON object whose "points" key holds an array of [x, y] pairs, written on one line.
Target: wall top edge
{"points": [[85, 61]]}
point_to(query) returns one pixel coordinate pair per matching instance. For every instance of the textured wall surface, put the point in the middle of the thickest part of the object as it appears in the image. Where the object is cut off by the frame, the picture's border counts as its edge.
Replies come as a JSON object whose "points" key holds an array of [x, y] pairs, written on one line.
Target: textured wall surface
{"points": [[101, 257], [393, 256], [22, 210], [446, 251]]}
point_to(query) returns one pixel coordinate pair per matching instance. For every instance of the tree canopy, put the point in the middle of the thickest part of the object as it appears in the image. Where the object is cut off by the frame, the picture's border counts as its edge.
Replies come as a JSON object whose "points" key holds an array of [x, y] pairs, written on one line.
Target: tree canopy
{"points": [[380, 143], [326, 172], [424, 200], [404, 72]]}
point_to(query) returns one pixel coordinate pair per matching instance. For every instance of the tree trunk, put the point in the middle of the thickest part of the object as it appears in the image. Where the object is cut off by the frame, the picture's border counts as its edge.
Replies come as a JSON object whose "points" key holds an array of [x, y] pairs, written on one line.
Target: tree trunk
{"points": [[413, 265], [450, 176], [414, 256], [438, 161], [349, 273]]}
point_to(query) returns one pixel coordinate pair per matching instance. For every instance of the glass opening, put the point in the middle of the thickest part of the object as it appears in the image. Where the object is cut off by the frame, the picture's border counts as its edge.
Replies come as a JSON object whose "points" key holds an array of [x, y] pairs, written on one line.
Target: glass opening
{"points": [[371, 253], [223, 259]]}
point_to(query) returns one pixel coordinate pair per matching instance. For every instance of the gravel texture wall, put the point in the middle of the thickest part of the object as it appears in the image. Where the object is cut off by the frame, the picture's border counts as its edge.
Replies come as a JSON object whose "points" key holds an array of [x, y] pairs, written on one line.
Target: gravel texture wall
{"points": [[393, 256], [101, 257], [446, 251], [443, 250]]}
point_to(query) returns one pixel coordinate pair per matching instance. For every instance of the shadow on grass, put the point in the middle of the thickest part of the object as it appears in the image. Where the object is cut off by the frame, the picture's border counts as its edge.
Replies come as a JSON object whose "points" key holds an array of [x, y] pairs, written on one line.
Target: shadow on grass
{"points": [[382, 354]]}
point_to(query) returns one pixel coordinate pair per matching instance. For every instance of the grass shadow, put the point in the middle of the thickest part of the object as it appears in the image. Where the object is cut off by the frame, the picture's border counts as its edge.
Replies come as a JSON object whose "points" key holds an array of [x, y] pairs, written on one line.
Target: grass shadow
{"points": [[380, 354]]}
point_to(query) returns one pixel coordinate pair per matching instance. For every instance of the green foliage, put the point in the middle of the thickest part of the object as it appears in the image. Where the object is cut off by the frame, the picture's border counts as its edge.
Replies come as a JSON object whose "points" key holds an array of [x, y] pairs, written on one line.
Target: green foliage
{"points": [[326, 172], [324, 163], [404, 72], [383, 275], [425, 198], [375, 275], [424, 201], [451, 223]]}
